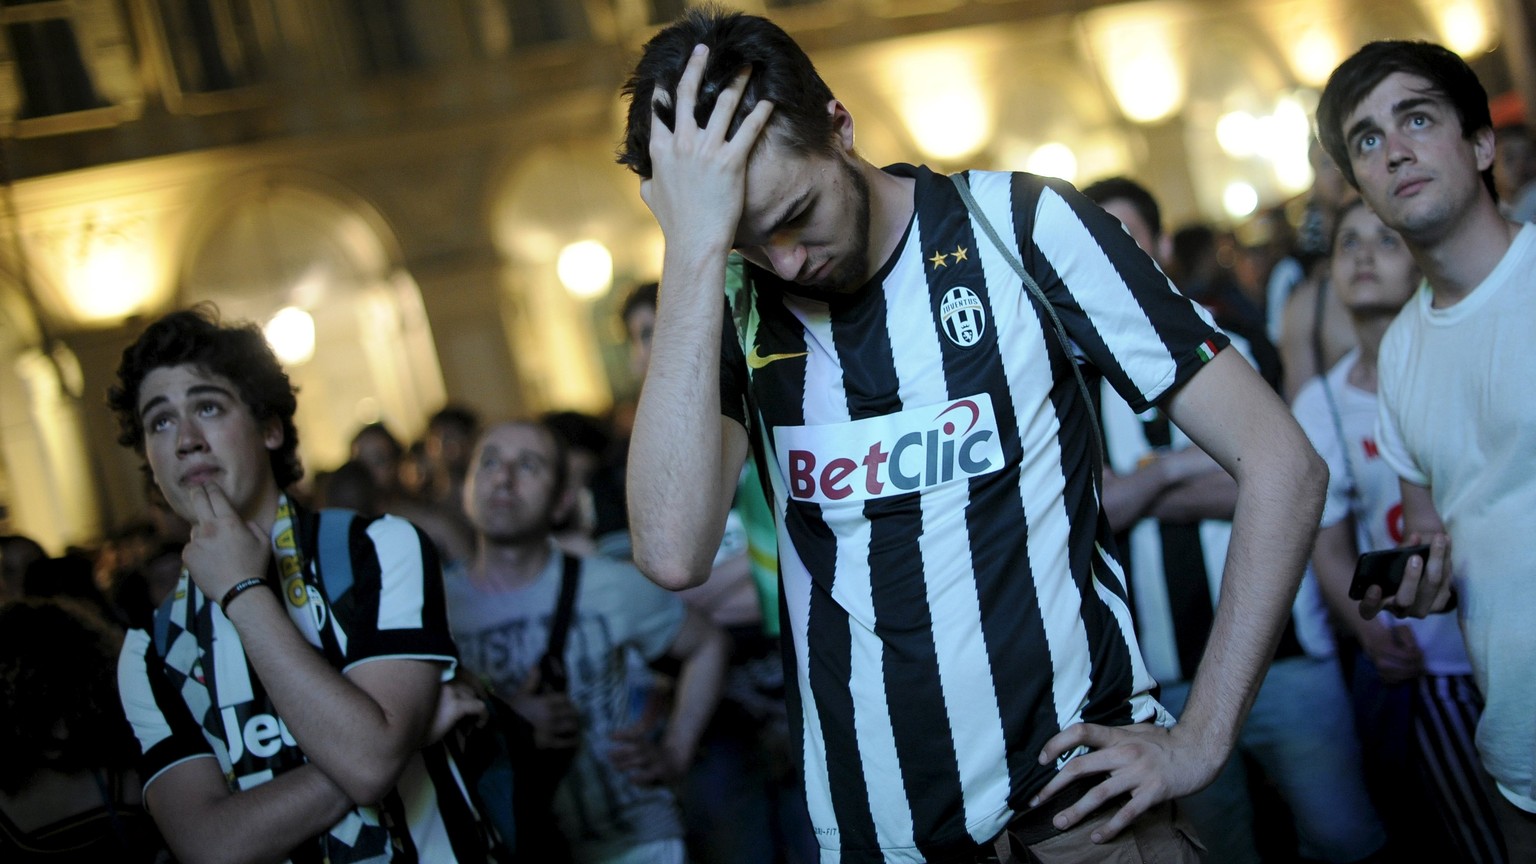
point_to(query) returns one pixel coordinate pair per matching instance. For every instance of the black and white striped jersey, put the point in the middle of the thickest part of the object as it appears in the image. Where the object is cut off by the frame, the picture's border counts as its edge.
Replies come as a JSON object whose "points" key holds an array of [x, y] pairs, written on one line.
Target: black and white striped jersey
{"points": [[190, 692], [948, 587]]}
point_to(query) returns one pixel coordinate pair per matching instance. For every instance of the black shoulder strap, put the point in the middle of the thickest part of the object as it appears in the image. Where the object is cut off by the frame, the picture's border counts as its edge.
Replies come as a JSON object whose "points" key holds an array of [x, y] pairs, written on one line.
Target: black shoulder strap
{"points": [[570, 576], [552, 672], [1038, 295]]}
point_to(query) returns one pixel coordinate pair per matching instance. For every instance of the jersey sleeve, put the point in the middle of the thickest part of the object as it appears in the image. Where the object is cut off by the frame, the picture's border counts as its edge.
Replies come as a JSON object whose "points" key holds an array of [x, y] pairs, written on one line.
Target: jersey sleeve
{"points": [[168, 734], [1116, 306], [398, 611], [1312, 414]]}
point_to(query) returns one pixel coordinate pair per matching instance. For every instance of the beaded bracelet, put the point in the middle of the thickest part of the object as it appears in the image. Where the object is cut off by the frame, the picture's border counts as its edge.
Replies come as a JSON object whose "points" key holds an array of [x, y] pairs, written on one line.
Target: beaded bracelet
{"points": [[239, 588]]}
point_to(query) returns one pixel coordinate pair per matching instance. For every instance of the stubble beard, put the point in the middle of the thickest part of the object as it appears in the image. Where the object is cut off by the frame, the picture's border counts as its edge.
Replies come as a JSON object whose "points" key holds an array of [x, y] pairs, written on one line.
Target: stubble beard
{"points": [[848, 275]]}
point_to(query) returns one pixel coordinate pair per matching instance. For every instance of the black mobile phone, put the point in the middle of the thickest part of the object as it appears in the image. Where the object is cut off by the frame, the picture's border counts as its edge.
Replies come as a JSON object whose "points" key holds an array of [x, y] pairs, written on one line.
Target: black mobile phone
{"points": [[1383, 567]]}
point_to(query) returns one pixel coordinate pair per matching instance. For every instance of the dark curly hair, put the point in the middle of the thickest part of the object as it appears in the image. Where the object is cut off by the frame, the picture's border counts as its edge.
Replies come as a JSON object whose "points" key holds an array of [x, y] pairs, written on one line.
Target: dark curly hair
{"points": [[238, 352], [781, 74], [58, 672], [1448, 76]]}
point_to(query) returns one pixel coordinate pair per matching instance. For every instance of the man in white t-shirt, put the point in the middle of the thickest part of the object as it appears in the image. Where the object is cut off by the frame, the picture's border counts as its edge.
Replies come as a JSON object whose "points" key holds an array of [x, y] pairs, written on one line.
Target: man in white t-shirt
{"points": [[1171, 507], [1415, 699], [1408, 123]]}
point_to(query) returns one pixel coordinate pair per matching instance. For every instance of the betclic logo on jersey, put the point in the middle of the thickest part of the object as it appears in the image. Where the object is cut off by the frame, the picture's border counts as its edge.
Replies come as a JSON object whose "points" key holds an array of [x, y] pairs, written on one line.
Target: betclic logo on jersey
{"points": [[894, 454]]}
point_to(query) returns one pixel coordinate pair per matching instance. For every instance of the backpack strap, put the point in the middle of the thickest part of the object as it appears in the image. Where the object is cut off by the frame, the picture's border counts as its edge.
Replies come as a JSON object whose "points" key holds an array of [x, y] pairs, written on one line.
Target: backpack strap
{"points": [[552, 664], [1009, 255]]}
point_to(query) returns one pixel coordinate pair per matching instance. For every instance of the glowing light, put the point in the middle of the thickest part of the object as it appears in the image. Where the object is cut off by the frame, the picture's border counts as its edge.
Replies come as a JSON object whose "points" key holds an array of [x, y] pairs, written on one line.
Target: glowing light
{"points": [[291, 333], [112, 281], [941, 101], [1239, 199], [585, 268], [1315, 54], [1464, 26], [1134, 45], [1237, 133], [1053, 160]]}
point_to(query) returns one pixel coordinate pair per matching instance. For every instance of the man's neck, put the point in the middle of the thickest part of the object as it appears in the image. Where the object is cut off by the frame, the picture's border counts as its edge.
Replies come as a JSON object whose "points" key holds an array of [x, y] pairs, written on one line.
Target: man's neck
{"points": [[1457, 262], [264, 510], [508, 566], [891, 202]]}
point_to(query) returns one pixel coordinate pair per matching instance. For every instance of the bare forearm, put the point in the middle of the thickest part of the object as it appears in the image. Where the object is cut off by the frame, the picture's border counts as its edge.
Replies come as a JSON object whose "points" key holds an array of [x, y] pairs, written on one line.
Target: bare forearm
{"points": [[260, 824], [340, 727], [676, 461], [1212, 495], [1129, 496], [1277, 512], [699, 683]]}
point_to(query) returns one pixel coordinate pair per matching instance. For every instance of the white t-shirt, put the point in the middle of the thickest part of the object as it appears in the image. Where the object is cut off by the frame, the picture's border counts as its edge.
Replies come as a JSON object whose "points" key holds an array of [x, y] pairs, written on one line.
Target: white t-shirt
{"points": [[1457, 415], [1378, 507]]}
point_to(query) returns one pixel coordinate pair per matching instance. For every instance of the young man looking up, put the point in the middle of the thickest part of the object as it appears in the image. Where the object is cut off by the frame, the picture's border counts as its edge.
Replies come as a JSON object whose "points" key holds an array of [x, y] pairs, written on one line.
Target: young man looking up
{"points": [[1408, 124], [284, 696], [612, 804], [960, 641]]}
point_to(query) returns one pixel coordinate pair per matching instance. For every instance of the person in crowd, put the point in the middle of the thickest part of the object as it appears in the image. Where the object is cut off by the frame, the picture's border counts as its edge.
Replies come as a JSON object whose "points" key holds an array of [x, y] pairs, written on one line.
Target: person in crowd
{"points": [[124, 549], [17, 552], [351, 487], [137, 592], [450, 438], [1171, 507], [962, 648], [68, 790], [1314, 327], [613, 804], [380, 451], [588, 445], [1416, 701], [1204, 268], [70, 575], [742, 798], [1408, 124], [416, 471], [286, 698], [1514, 168]]}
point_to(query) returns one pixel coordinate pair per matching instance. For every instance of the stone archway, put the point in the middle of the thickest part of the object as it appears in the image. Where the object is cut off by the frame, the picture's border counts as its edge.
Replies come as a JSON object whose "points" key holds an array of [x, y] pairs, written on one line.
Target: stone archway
{"points": [[296, 241]]}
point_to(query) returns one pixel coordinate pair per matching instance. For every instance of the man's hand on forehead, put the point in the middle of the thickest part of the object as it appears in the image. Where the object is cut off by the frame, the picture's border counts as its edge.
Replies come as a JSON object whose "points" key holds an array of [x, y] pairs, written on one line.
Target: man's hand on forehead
{"points": [[697, 187]]}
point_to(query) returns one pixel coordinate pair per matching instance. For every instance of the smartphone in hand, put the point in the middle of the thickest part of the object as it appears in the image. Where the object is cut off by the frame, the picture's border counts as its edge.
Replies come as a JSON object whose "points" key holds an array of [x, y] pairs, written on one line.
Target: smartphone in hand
{"points": [[1384, 567]]}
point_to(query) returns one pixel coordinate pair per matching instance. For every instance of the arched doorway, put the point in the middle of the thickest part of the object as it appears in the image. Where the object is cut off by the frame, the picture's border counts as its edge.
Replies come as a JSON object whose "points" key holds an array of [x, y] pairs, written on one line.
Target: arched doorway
{"points": [[320, 271], [46, 491]]}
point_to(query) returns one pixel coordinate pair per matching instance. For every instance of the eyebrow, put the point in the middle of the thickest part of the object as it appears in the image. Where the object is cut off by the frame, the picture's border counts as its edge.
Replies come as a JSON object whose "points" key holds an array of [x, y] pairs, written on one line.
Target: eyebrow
{"points": [[194, 390], [786, 212], [1398, 109]]}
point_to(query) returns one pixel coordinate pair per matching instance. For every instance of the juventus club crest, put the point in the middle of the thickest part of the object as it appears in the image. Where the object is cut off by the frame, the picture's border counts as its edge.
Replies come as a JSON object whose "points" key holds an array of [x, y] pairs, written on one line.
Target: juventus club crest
{"points": [[963, 316]]}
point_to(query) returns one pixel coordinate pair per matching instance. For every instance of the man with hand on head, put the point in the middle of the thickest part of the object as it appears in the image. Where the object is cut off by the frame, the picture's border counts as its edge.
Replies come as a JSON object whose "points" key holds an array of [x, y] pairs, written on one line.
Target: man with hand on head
{"points": [[1408, 124], [965, 680], [289, 694]]}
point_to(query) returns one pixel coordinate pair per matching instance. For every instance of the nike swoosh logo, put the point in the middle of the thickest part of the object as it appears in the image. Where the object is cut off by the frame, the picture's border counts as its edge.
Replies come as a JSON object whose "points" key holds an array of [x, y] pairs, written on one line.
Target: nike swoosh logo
{"points": [[758, 361]]}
